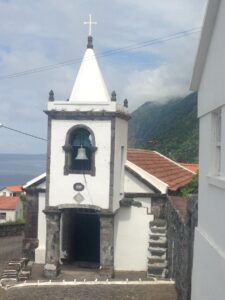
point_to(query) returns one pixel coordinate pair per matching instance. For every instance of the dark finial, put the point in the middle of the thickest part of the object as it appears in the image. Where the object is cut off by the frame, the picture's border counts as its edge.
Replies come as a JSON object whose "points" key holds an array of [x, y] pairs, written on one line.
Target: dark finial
{"points": [[51, 96], [90, 42], [125, 103], [113, 96]]}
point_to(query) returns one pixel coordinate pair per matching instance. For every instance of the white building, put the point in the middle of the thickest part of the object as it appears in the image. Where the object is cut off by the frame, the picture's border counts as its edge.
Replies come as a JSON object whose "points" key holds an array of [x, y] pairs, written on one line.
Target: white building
{"points": [[12, 190], [97, 205], [11, 209], [208, 277]]}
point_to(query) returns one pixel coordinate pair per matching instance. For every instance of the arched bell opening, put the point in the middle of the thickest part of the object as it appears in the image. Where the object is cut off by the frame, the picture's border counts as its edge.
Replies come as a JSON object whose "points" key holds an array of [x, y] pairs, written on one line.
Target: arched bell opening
{"points": [[80, 151]]}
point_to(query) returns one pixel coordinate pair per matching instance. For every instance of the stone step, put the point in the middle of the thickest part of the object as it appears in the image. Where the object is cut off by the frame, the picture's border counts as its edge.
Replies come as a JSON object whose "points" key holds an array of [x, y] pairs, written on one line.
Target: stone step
{"points": [[157, 269], [156, 229], [161, 242], [156, 259], [162, 275], [155, 236], [158, 223], [159, 265], [157, 251]]}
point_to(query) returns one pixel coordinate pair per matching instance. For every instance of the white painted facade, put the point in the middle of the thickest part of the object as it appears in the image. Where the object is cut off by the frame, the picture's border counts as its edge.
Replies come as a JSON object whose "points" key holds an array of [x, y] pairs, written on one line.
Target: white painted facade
{"points": [[131, 228], [5, 192], [89, 85], [12, 215], [208, 277], [96, 191], [107, 187], [131, 237]]}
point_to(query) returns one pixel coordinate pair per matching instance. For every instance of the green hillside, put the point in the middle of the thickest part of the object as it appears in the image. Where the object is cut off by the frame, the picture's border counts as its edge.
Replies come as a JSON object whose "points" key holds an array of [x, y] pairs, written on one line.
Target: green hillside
{"points": [[170, 128]]}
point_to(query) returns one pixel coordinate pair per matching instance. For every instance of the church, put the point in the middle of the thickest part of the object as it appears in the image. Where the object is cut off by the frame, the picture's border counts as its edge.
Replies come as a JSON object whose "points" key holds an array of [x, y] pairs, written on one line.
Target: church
{"points": [[93, 207]]}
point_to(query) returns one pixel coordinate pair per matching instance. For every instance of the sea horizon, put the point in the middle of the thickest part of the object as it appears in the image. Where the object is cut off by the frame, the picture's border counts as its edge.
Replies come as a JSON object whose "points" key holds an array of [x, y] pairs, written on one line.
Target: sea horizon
{"points": [[17, 169]]}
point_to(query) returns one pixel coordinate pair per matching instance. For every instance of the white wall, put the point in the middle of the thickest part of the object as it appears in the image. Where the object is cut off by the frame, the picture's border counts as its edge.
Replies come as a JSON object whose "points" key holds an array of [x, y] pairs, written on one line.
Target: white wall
{"points": [[96, 190], [40, 251], [131, 237], [208, 277], [133, 185], [5, 192], [212, 88], [10, 215]]}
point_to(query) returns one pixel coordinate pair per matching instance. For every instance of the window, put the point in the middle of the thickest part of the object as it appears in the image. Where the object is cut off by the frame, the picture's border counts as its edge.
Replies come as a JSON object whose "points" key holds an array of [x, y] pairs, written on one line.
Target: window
{"points": [[217, 142], [2, 216], [80, 151]]}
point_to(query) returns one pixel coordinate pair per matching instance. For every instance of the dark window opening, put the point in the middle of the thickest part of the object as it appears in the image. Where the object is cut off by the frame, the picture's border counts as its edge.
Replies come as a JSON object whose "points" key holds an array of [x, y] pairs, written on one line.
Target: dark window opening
{"points": [[80, 151], [3, 216]]}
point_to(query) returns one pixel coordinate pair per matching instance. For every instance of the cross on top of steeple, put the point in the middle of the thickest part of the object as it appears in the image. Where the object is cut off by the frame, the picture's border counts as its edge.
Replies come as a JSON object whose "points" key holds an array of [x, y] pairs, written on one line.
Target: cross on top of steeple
{"points": [[90, 23]]}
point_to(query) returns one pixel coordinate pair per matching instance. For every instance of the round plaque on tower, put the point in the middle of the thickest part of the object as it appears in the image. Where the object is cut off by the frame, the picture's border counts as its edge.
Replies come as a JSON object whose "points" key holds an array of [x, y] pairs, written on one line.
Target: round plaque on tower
{"points": [[78, 186]]}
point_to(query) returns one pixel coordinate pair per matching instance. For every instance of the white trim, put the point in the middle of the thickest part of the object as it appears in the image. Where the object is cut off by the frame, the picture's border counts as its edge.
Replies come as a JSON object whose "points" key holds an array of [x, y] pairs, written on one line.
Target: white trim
{"points": [[94, 282], [211, 242], [217, 181], [80, 103], [154, 181], [34, 180], [205, 40]]}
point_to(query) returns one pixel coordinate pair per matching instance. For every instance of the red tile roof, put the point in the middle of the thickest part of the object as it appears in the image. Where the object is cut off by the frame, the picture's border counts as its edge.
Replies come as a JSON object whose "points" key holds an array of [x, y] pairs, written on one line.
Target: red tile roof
{"points": [[191, 167], [161, 167], [9, 203], [14, 188]]}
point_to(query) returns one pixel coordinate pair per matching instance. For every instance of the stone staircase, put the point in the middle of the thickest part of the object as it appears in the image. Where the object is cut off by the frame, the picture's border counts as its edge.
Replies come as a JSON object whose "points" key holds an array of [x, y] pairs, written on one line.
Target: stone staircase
{"points": [[14, 271], [157, 260]]}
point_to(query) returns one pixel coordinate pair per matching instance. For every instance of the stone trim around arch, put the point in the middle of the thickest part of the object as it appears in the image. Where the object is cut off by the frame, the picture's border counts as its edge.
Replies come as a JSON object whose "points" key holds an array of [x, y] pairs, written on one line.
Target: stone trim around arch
{"points": [[68, 149]]}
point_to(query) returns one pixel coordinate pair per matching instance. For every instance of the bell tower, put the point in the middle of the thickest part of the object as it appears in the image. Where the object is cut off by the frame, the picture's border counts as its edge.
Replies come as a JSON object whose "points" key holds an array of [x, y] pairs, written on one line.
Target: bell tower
{"points": [[87, 146]]}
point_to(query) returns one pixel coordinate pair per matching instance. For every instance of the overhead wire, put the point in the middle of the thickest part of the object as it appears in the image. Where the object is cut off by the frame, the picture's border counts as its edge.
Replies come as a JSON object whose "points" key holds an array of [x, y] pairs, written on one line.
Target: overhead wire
{"points": [[100, 55], [131, 47], [22, 132]]}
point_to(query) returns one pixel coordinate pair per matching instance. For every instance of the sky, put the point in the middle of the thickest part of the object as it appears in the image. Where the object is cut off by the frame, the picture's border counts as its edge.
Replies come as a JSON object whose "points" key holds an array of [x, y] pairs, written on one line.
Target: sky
{"points": [[40, 33]]}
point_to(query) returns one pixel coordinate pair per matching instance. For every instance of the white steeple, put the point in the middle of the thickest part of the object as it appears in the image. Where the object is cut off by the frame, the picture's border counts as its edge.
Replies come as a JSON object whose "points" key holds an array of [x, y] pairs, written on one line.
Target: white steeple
{"points": [[89, 86]]}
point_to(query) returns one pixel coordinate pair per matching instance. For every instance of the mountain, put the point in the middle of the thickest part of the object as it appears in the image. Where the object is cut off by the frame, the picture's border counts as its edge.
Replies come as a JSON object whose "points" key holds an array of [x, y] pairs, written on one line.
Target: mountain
{"points": [[170, 128]]}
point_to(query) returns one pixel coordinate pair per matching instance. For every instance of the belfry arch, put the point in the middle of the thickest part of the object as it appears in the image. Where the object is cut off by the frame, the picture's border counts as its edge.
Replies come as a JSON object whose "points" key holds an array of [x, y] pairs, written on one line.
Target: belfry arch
{"points": [[77, 137]]}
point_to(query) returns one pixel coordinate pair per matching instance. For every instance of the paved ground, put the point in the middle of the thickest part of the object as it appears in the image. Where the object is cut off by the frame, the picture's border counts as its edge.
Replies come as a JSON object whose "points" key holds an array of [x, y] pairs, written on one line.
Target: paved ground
{"points": [[10, 247], [96, 292]]}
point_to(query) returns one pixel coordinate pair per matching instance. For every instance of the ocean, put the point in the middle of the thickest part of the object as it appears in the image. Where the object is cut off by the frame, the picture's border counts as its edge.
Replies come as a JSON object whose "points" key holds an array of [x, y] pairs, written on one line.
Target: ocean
{"points": [[20, 168]]}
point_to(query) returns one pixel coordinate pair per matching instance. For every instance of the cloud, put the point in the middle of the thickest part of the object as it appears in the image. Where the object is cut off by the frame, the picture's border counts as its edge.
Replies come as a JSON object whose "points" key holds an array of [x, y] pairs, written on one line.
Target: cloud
{"points": [[40, 33]]}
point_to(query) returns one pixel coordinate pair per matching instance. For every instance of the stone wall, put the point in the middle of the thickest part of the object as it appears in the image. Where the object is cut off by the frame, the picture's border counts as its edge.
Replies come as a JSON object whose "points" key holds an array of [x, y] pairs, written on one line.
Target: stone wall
{"points": [[11, 229], [181, 220], [30, 242]]}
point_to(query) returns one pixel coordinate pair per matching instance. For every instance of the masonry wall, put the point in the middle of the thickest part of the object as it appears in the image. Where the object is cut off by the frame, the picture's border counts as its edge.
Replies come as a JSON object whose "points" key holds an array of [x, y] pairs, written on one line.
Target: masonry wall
{"points": [[180, 245], [11, 229]]}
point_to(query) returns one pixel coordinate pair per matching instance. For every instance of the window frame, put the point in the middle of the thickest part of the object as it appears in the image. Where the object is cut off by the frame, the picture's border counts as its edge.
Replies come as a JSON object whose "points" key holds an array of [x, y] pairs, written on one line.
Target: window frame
{"points": [[217, 142], [68, 148], [1, 214]]}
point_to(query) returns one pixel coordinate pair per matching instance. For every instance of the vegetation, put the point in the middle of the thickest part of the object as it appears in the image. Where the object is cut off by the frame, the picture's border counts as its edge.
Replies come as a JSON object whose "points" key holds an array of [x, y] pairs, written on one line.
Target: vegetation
{"points": [[190, 188], [18, 221], [24, 203], [170, 128]]}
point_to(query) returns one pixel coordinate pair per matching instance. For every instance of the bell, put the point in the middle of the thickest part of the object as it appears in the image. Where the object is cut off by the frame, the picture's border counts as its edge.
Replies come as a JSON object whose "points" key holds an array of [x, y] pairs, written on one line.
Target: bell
{"points": [[81, 154]]}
